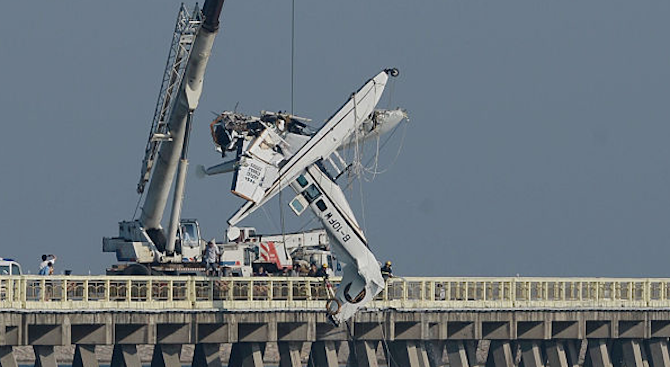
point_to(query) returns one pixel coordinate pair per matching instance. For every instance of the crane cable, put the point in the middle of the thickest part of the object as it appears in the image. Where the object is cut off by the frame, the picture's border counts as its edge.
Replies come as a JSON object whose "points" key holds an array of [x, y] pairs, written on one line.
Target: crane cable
{"points": [[281, 201]]}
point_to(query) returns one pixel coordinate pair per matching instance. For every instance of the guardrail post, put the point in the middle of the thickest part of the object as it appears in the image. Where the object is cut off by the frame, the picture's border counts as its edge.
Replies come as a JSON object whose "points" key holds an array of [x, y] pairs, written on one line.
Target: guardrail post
{"points": [[170, 290], [405, 290], [85, 294], [210, 290], [63, 286], [250, 294], [129, 292], [43, 286]]}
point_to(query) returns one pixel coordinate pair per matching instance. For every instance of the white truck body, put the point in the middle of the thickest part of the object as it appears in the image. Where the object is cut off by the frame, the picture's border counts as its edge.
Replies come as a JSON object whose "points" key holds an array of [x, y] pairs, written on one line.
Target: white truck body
{"points": [[9, 267]]}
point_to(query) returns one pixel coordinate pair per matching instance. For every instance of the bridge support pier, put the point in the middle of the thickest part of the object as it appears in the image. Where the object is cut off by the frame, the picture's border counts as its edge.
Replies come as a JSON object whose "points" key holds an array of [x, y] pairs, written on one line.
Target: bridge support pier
{"points": [[659, 352], [84, 356], [633, 353], [166, 355], [599, 354], [556, 354], [501, 351], [289, 354], [45, 356], [531, 354], [247, 354], [323, 353], [125, 355], [435, 349], [422, 353], [7, 358], [404, 353], [457, 354], [206, 355], [364, 353]]}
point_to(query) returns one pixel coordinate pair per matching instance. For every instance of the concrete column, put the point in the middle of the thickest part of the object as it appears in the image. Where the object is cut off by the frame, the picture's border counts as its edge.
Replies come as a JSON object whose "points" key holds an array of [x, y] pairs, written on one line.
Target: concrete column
{"points": [[457, 354], [556, 354], [45, 356], [247, 354], [573, 349], [84, 356], [502, 353], [632, 353], [206, 355], [323, 354], [166, 355], [658, 348], [125, 355], [7, 358], [531, 354], [422, 353], [599, 354], [365, 353], [289, 354], [404, 354], [435, 349]]}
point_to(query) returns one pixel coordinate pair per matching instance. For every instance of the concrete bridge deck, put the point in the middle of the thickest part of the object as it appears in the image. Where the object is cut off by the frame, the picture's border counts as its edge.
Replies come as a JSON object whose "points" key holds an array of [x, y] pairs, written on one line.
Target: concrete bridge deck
{"points": [[535, 321]]}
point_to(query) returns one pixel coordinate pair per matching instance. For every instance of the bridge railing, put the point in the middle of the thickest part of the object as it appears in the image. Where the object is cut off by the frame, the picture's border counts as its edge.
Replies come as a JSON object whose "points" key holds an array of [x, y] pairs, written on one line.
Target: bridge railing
{"points": [[136, 292]]}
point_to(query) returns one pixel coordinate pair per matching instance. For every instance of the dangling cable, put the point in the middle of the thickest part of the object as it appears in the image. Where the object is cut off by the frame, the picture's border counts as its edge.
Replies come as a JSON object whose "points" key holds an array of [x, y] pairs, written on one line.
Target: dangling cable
{"points": [[292, 55]]}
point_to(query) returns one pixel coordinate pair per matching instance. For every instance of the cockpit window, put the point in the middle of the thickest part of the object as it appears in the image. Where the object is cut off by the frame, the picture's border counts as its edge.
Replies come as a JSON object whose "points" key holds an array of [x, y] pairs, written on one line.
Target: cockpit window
{"points": [[4, 270]]}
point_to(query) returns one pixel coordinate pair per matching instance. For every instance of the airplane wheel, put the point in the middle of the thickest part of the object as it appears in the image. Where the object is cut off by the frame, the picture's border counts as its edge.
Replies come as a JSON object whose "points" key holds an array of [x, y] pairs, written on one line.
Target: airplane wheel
{"points": [[393, 72], [333, 306]]}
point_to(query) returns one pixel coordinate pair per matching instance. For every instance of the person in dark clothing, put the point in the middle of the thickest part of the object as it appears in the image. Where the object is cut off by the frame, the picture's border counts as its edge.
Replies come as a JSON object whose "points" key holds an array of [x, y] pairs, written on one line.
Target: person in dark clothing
{"points": [[261, 272], [312, 271], [387, 272], [323, 272]]}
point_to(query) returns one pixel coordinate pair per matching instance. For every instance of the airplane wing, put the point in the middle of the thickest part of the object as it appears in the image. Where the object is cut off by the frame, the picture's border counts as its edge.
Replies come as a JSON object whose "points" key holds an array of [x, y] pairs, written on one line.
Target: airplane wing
{"points": [[333, 134]]}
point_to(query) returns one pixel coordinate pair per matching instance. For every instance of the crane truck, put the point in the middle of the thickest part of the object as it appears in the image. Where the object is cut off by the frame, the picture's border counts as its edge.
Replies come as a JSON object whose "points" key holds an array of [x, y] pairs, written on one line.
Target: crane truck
{"points": [[143, 246]]}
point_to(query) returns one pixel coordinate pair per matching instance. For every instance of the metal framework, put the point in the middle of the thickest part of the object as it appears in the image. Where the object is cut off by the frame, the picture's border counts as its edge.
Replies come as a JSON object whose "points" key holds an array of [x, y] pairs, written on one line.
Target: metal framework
{"points": [[198, 293], [183, 37]]}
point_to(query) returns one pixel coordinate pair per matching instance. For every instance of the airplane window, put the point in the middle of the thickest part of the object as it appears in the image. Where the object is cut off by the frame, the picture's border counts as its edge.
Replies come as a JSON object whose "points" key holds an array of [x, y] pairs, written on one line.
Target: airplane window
{"points": [[297, 206], [311, 193], [4, 270], [302, 181], [15, 270], [321, 205]]}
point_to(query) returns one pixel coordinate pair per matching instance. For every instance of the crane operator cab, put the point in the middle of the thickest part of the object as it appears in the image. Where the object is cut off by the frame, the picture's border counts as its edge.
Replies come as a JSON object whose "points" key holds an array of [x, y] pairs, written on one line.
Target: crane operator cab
{"points": [[190, 243]]}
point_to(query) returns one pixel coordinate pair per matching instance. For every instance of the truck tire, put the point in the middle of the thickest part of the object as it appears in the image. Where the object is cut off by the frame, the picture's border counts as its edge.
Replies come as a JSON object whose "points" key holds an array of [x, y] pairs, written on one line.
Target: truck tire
{"points": [[136, 269]]}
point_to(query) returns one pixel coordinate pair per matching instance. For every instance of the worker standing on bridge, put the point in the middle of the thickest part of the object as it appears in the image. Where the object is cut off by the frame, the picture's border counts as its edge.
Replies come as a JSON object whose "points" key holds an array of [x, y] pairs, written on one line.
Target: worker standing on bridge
{"points": [[44, 265], [387, 272], [211, 257], [323, 272], [312, 270]]}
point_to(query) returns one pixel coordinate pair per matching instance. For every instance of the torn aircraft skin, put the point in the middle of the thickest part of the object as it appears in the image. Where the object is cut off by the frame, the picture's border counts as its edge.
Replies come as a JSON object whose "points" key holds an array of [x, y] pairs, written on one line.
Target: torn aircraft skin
{"points": [[276, 150]]}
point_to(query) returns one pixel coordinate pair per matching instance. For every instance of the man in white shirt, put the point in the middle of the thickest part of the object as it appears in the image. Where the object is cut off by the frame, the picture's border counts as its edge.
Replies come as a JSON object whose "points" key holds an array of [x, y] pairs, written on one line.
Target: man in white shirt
{"points": [[44, 265], [211, 257]]}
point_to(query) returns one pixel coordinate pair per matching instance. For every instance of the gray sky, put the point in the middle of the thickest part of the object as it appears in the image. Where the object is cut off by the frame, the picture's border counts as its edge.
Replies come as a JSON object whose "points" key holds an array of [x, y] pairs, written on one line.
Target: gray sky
{"points": [[537, 143]]}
